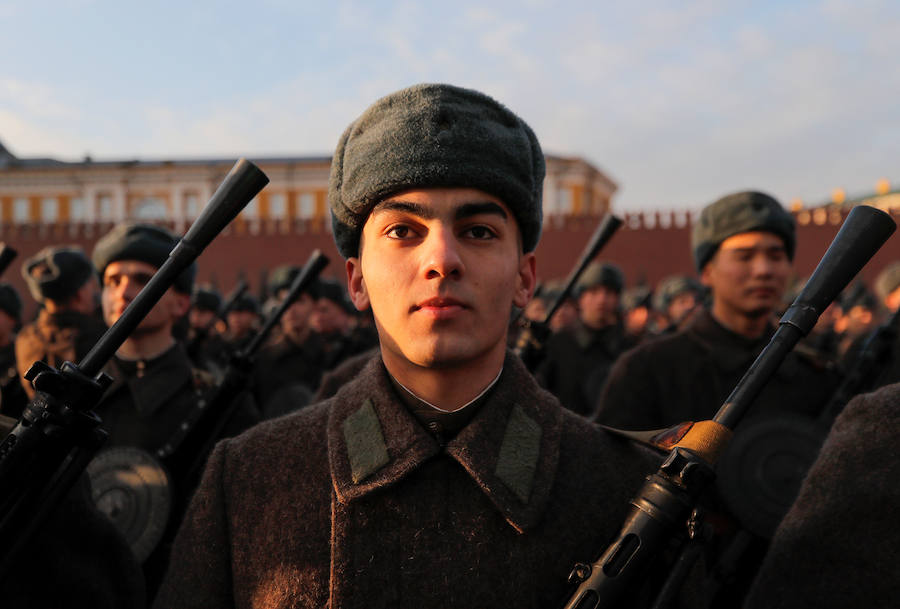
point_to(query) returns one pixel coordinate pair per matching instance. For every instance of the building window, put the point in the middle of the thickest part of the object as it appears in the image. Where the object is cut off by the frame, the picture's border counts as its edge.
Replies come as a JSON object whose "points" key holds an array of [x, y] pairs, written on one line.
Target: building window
{"points": [[76, 209], [565, 201], [277, 206], [251, 211], [49, 210], [105, 206], [151, 208], [307, 205], [191, 205], [20, 211]]}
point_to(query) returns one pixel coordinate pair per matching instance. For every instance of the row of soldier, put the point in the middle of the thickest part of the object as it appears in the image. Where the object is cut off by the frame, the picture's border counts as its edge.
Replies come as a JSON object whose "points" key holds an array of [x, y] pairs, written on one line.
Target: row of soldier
{"points": [[428, 471]]}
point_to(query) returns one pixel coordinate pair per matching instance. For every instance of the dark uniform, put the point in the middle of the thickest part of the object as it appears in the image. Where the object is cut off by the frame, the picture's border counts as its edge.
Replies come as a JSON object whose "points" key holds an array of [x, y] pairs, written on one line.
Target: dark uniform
{"points": [[578, 358], [378, 509], [284, 369], [837, 546], [146, 406], [686, 376], [577, 362]]}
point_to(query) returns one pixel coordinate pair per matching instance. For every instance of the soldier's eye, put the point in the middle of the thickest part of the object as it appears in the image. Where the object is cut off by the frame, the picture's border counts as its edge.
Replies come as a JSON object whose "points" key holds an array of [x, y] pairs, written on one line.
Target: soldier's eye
{"points": [[480, 232], [401, 231]]}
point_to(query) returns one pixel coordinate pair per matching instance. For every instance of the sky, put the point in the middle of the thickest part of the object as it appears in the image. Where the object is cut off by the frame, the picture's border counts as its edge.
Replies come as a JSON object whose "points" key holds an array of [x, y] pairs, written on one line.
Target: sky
{"points": [[677, 102]]}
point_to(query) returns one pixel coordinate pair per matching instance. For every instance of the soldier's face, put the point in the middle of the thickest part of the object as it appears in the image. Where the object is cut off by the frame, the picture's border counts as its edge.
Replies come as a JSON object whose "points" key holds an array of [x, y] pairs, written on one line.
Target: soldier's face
{"points": [[122, 280], [296, 318], [598, 306], [441, 269], [328, 317], [748, 274]]}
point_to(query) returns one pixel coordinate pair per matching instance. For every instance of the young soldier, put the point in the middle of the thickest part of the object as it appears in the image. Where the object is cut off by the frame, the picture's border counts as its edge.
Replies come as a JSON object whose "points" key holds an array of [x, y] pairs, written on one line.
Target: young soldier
{"points": [[155, 386], [64, 281], [743, 246], [579, 358], [442, 475], [289, 368]]}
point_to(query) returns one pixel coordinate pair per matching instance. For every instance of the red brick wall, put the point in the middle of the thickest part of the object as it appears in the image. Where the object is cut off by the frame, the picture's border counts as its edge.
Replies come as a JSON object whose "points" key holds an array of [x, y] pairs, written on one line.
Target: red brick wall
{"points": [[646, 248]]}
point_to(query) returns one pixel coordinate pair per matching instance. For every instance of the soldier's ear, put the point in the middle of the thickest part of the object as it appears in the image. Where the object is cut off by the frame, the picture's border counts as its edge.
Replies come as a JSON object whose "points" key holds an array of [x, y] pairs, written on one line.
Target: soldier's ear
{"points": [[181, 303], [356, 284], [525, 280]]}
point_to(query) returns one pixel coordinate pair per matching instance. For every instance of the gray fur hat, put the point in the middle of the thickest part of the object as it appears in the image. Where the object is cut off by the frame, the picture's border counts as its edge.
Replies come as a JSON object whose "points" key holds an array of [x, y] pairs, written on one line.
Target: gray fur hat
{"points": [[435, 136], [672, 286], [737, 213], [601, 274], [147, 243], [56, 273]]}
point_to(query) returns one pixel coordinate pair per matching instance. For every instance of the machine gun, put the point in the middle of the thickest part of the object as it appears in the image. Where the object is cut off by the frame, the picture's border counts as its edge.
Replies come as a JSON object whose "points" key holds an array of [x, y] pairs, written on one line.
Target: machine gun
{"points": [[7, 255], [663, 513], [186, 452], [58, 433], [534, 334]]}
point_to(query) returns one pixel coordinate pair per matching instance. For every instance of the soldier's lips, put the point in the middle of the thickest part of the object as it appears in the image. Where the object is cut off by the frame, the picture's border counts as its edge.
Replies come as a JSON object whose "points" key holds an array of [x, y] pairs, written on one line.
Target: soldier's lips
{"points": [[440, 308]]}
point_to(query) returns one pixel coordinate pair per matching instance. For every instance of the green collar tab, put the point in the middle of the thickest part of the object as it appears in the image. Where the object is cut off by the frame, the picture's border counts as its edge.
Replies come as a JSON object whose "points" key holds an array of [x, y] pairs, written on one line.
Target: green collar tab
{"points": [[519, 452], [366, 448]]}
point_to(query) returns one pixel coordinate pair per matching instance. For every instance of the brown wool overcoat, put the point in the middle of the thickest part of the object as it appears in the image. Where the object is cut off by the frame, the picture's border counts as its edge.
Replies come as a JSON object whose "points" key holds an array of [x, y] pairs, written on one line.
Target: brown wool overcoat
{"points": [[837, 546], [351, 503]]}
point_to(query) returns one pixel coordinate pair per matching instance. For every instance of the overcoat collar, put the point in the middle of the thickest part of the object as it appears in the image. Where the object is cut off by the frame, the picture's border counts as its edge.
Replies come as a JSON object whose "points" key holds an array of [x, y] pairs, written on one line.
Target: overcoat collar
{"points": [[510, 449], [732, 352], [162, 379]]}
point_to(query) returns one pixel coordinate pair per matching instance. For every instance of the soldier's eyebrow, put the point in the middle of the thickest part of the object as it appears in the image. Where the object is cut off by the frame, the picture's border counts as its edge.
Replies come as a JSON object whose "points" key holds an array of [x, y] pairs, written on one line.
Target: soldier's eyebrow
{"points": [[468, 210], [416, 209]]}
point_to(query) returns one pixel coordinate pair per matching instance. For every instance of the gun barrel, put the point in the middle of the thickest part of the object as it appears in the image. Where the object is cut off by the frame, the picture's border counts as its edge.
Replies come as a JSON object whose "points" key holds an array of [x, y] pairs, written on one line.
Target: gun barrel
{"points": [[603, 233], [314, 265]]}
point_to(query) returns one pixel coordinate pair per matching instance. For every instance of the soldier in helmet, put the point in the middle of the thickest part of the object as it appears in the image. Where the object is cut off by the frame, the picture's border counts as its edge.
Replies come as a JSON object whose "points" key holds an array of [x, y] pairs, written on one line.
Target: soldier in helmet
{"points": [[442, 463], [578, 359], [64, 282], [12, 395]]}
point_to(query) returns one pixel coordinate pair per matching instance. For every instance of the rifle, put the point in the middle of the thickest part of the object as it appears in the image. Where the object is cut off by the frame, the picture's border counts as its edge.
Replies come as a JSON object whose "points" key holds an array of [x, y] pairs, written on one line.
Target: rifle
{"points": [[7, 255], [193, 346], [663, 512], [187, 450], [58, 433], [222, 314], [534, 334]]}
